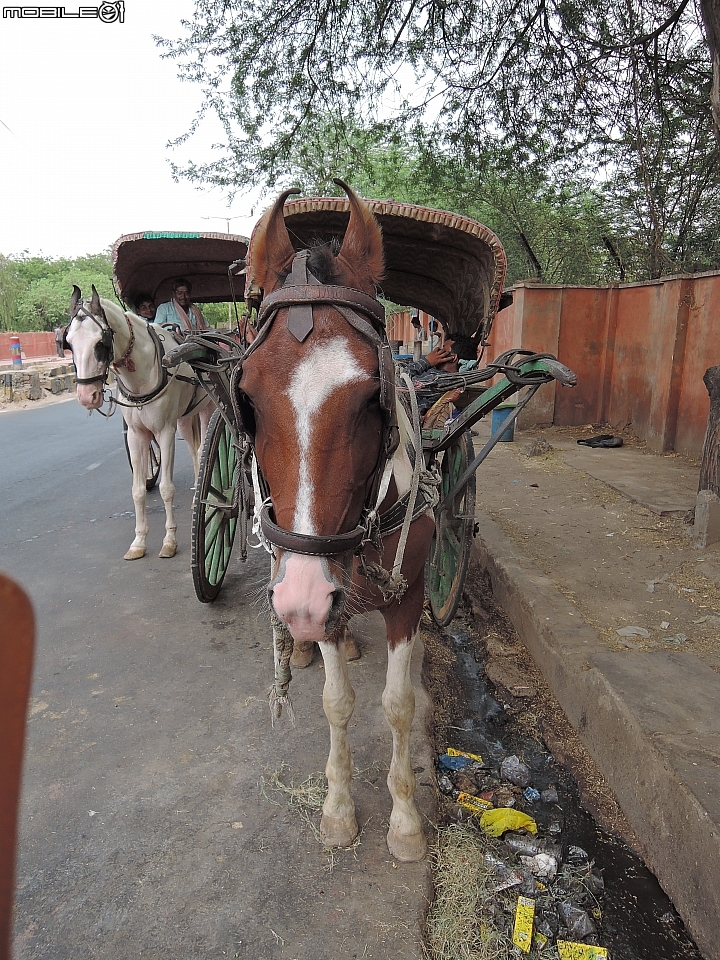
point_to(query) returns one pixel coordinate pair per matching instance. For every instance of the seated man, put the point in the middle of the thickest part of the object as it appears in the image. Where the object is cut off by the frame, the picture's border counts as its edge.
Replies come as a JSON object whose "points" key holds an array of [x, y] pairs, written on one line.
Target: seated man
{"points": [[443, 359], [145, 307], [181, 311]]}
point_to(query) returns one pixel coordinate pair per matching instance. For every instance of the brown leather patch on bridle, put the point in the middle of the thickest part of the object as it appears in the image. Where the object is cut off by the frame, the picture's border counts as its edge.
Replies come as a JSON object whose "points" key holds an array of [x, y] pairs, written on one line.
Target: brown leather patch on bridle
{"points": [[300, 316]]}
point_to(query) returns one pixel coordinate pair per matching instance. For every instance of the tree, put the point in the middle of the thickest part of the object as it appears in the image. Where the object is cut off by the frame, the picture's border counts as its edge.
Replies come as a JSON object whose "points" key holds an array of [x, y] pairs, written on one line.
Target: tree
{"points": [[612, 94], [35, 291], [10, 287]]}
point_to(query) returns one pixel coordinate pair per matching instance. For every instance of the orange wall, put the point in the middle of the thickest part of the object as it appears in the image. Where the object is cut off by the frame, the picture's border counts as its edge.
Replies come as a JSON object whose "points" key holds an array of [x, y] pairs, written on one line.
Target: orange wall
{"points": [[639, 350], [31, 344]]}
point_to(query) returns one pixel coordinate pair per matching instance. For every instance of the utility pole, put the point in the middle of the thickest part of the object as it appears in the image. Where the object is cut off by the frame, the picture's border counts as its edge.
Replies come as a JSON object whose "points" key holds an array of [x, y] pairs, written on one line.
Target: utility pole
{"points": [[238, 216]]}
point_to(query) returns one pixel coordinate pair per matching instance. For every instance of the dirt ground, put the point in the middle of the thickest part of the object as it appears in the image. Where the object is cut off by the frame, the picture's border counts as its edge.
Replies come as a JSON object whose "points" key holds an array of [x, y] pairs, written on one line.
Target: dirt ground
{"points": [[619, 562]]}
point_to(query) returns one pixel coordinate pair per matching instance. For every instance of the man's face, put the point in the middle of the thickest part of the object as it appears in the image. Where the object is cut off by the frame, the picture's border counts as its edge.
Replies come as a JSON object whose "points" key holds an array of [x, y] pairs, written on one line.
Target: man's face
{"points": [[146, 309], [182, 295], [451, 364]]}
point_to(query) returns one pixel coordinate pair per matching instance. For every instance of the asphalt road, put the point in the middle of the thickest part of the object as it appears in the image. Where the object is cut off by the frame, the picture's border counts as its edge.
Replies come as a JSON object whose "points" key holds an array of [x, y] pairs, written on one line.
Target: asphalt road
{"points": [[144, 831]]}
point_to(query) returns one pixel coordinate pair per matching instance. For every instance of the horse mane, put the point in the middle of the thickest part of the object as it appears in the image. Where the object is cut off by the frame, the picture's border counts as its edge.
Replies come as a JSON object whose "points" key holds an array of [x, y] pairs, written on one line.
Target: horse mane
{"points": [[322, 262], [113, 309]]}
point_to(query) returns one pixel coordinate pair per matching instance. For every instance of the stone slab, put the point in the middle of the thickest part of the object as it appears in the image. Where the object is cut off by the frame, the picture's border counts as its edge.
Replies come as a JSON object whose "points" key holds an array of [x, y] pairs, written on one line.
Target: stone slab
{"points": [[666, 492]]}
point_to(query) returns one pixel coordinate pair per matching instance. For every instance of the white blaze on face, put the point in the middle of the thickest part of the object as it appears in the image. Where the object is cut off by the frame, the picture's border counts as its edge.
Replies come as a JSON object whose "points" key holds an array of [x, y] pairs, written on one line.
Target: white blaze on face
{"points": [[328, 366]]}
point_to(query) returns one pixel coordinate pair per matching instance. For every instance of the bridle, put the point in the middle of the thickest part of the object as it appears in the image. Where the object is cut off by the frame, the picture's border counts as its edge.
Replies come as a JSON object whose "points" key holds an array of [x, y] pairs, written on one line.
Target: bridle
{"points": [[105, 346], [105, 354], [300, 293]]}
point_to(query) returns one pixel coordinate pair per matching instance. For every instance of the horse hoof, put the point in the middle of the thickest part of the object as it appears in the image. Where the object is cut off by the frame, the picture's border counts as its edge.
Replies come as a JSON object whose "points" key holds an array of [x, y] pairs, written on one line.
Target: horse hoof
{"points": [[168, 551], [338, 831], [303, 653], [407, 848], [134, 553]]}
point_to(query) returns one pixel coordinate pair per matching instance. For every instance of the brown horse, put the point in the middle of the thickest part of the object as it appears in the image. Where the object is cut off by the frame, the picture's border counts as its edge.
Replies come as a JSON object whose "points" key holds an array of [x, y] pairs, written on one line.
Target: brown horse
{"points": [[317, 392]]}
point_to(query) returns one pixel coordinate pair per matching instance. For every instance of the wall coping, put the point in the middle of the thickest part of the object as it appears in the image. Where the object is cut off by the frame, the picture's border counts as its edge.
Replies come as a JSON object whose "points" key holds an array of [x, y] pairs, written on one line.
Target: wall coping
{"points": [[530, 284]]}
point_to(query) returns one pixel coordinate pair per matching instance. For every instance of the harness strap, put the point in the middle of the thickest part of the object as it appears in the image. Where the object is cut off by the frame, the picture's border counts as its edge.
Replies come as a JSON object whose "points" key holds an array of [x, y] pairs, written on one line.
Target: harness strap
{"points": [[306, 543], [312, 293], [162, 382]]}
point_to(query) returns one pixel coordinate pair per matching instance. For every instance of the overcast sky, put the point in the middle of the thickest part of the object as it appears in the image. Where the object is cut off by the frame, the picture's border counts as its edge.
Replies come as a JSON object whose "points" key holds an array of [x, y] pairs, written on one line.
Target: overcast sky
{"points": [[86, 111]]}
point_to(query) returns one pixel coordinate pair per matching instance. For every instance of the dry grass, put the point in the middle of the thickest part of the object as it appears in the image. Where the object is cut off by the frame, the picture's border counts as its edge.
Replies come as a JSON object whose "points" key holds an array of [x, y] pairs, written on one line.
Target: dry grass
{"points": [[306, 799], [459, 924]]}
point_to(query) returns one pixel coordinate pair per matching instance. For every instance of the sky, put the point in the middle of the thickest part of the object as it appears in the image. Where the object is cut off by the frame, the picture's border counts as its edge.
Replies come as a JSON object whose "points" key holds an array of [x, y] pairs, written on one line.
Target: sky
{"points": [[86, 111]]}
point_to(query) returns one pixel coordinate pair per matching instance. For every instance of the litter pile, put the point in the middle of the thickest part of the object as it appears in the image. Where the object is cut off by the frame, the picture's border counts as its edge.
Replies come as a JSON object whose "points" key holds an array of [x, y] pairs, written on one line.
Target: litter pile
{"points": [[542, 894]]}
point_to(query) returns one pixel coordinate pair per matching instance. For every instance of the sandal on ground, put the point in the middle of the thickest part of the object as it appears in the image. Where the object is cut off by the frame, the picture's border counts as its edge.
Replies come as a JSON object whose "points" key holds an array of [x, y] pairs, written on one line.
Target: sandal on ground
{"points": [[606, 440], [595, 441]]}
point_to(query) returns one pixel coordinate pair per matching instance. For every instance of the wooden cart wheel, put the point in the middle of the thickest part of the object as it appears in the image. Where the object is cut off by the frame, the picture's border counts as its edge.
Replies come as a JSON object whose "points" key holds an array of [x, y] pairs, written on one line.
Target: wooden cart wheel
{"points": [[452, 542], [214, 516], [153, 470]]}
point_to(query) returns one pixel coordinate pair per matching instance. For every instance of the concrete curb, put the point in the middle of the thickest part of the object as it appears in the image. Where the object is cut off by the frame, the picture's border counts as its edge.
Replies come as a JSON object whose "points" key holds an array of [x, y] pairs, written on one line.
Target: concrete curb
{"points": [[650, 722]]}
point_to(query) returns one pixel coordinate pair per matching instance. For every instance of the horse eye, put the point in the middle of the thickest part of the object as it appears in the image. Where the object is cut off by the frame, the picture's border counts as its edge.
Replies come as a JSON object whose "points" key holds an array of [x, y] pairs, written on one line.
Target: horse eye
{"points": [[102, 354]]}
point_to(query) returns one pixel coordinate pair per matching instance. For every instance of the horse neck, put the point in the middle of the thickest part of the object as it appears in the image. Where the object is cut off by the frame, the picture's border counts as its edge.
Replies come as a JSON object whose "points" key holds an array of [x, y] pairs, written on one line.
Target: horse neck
{"points": [[143, 355]]}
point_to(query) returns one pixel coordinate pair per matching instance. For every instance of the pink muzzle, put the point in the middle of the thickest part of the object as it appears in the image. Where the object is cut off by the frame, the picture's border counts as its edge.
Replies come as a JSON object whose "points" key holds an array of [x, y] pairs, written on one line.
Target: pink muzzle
{"points": [[90, 395], [305, 599]]}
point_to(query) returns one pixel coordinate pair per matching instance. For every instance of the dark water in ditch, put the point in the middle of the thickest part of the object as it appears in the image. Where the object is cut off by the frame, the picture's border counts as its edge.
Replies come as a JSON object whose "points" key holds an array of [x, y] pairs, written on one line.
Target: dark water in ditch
{"points": [[639, 921]]}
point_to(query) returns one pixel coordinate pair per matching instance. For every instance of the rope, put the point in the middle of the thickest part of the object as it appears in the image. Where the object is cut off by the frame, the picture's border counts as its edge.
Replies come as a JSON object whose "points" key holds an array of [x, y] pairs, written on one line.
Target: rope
{"points": [[260, 503], [283, 648]]}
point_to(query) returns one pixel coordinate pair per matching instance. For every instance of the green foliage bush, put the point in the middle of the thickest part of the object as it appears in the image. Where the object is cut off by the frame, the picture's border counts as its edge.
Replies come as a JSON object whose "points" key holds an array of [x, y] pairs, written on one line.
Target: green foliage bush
{"points": [[35, 291]]}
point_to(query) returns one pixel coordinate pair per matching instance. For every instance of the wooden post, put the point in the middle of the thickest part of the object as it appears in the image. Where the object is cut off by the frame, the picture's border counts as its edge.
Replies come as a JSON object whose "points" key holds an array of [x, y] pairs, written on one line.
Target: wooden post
{"points": [[710, 466], [707, 507]]}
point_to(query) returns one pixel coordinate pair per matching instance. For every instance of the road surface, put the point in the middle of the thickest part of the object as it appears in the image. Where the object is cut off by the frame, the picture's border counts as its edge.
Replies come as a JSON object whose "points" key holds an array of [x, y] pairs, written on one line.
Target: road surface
{"points": [[144, 831]]}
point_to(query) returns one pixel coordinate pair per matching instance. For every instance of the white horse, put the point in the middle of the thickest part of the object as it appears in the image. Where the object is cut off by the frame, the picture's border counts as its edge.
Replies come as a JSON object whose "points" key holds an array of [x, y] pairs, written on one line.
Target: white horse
{"points": [[155, 402]]}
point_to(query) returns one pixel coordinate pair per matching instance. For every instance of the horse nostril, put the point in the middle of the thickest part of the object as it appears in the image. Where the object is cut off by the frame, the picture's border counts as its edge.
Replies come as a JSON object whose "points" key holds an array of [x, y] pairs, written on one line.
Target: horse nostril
{"points": [[270, 597]]}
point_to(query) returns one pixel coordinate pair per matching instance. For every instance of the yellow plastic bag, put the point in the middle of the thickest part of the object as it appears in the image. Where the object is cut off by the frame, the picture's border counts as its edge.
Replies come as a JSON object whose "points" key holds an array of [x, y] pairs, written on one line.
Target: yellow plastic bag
{"points": [[496, 822]]}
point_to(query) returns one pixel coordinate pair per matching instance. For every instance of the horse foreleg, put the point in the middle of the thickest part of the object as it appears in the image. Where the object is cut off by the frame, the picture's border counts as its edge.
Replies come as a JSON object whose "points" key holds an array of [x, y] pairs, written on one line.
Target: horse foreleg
{"points": [[167, 490], [139, 447], [338, 827], [405, 838]]}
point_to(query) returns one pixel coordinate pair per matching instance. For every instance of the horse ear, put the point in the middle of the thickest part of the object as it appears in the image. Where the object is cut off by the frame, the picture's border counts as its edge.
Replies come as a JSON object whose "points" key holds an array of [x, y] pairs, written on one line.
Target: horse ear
{"points": [[95, 307], [76, 298], [271, 252], [362, 249]]}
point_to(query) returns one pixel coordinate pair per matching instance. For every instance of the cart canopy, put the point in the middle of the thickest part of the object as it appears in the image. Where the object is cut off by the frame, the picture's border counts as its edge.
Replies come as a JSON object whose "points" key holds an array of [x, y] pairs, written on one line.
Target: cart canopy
{"points": [[149, 262], [450, 266]]}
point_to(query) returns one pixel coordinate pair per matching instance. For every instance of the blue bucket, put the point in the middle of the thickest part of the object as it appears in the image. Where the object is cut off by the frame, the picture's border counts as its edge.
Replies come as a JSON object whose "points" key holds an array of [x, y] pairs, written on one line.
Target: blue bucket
{"points": [[499, 416]]}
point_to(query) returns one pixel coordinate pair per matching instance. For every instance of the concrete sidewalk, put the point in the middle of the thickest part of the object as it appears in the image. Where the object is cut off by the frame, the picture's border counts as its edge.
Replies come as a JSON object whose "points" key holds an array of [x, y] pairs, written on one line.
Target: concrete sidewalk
{"points": [[571, 563]]}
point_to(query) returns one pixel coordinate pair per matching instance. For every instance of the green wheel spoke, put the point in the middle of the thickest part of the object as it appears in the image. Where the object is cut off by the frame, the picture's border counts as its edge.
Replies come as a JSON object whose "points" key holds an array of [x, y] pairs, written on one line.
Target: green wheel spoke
{"points": [[213, 526], [218, 493]]}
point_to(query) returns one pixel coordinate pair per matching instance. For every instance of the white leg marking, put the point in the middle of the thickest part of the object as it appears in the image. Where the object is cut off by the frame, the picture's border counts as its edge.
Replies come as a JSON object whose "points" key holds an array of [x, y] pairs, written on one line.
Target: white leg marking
{"points": [[329, 366], [339, 826], [405, 838]]}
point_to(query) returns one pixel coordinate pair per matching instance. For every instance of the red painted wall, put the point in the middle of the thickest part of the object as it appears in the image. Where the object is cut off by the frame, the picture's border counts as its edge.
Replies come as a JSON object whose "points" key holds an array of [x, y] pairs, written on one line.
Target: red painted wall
{"points": [[639, 350], [31, 344]]}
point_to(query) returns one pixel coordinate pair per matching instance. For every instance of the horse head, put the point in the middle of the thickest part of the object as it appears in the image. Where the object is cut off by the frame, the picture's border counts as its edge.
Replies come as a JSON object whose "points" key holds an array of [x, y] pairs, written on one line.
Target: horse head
{"points": [[311, 387], [90, 338]]}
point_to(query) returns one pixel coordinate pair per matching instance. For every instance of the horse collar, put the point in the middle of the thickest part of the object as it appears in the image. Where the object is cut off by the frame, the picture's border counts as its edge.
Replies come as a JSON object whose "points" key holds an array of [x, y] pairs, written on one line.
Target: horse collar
{"points": [[125, 360]]}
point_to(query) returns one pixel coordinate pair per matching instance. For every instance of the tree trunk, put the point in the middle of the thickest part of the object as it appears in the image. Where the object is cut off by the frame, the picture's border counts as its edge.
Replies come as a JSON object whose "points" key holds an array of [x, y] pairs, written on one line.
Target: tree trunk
{"points": [[710, 466], [710, 10]]}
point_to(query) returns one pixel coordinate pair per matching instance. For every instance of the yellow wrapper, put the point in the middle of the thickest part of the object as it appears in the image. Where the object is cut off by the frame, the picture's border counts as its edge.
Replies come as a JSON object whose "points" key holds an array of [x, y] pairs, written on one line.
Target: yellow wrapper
{"points": [[474, 804], [452, 752], [580, 951], [524, 917]]}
